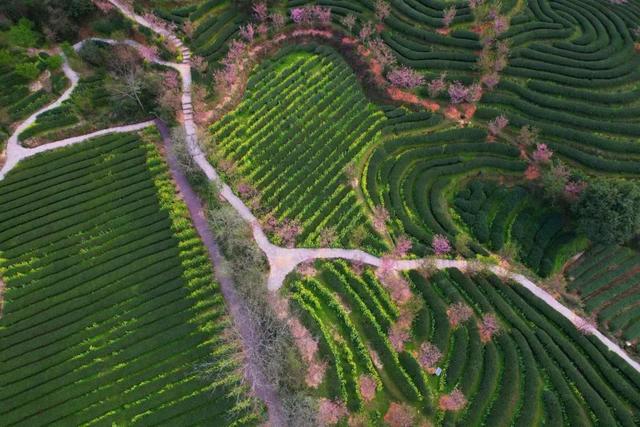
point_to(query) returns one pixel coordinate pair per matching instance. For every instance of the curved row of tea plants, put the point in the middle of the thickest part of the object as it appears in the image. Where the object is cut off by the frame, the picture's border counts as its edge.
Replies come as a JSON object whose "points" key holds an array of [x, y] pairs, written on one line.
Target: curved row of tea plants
{"points": [[497, 215], [539, 369], [303, 119], [608, 280], [111, 311]]}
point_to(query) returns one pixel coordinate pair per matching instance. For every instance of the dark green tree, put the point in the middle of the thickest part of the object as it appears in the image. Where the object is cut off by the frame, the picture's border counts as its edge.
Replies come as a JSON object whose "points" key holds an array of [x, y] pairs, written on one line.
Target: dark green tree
{"points": [[609, 210]]}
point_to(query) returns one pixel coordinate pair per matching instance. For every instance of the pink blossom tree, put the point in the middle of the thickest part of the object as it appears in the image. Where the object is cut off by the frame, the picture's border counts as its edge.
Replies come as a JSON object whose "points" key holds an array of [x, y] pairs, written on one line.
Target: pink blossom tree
{"points": [[457, 92], [328, 237], [299, 15], [429, 355], [382, 53], [440, 245], [437, 86], [382, 10], [403, 246], [400, 415], [277, 20], [497, 125], [367, 387], [474, 93], [349, 21], [398, 336], [490, 80], [542, 154], [459, 313], [366, 31], [528, 135], [288, 231], [573, 190], [473, 4], [448, 16], [380, 218], [330, 412], [260, 11], [453, 401], [322, 15], [405, 77], [488, 327], [248, 32]]}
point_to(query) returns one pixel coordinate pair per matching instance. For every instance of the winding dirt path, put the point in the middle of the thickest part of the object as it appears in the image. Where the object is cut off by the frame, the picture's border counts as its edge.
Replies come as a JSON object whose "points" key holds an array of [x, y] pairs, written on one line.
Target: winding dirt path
{"points": [[282, 261]]}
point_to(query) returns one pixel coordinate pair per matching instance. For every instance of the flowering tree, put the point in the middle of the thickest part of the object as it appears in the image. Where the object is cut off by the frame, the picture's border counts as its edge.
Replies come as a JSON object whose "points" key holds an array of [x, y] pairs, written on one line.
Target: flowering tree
{"points": [[328, 237], [260, 11], [288, 231], [397, 286], [473, 4], [573, 190], [440, 245], [497, 125], [474, 93], [365, 32], [459, 313], [348, 21], [436, 86], [490, 80], [405, 77], [542, 154], [488, 327], [532, 172], [453, 401], [398, 335], [457, 92], [449, 16], [403, 246], [400, 415], [248, 32], [380, 218], [428, 355], [277, 20], [382, 53], [321, 14], [367, 387], [299, 15], [383, 9], [500, 24], [330, 412], [528, 135]]}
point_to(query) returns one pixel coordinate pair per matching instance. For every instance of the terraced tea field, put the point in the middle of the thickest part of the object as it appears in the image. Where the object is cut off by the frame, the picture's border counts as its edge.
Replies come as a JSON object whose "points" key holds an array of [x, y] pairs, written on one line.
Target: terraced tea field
{"points": [[111, 312]]}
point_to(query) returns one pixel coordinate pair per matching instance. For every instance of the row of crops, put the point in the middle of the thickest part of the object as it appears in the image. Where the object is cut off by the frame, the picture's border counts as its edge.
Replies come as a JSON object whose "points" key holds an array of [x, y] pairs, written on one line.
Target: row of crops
{"points": [[302, 120], [608, 280], [497, 215], [413, 176], [111, 312], [17, 99], [538, 370]]}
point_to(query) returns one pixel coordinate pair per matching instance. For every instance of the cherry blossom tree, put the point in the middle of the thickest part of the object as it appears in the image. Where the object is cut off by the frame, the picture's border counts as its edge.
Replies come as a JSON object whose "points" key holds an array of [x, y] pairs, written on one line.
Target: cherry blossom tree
{"points": [[474, 93], [497, 125], [277, 20], [400, 415], [542, 154], [248, 32], [382, 53], [500, 24], [367, 387], [398, 336], [405, 77], [398, 287], [490, 80], [321, 14], [299, 15], [440, 245], [437, 86], [528, 135], [448, 16], [488, 327], [403, 246], [366, 31], [459, 313], [328, 237], [349, 21], [288, 231], [473, 4], [532, 172], [380, 218], [330, 412], [457, 92], [453, 401], [429, 355], [382, 10], [260, 11], [573, 190]]}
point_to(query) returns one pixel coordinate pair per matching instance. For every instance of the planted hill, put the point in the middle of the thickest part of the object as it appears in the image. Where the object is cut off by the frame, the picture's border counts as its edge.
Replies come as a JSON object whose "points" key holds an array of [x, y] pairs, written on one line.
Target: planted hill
{"points": [[111, 312], [497, 215], [413, 177], [537, 370], [607, 278], [302, 120]]}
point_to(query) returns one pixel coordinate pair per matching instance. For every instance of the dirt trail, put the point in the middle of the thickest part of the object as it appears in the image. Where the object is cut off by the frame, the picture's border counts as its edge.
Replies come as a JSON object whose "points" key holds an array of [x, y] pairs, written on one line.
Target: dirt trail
{"points": [[264, 391]]}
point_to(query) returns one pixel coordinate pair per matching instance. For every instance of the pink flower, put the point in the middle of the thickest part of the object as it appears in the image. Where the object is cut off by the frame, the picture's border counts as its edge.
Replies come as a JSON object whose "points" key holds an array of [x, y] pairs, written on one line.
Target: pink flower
{"points": [[441, 245], [542, 154]]}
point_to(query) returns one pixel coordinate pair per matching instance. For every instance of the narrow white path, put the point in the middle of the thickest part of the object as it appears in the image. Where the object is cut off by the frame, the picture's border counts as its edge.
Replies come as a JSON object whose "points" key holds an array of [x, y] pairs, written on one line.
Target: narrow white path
{"points": [[16, 152], [282, 261]]}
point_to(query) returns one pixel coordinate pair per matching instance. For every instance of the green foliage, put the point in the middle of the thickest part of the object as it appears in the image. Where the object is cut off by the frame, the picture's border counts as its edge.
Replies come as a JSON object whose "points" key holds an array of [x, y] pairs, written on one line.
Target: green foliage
{"points": [[609, 210], [54, 62], [28, 70], [22, 34]]}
